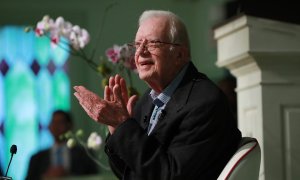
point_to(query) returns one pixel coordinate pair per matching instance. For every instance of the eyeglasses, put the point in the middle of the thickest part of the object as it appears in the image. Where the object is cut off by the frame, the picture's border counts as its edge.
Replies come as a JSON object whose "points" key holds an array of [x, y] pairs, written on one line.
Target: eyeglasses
{"points": [[151, 45]]}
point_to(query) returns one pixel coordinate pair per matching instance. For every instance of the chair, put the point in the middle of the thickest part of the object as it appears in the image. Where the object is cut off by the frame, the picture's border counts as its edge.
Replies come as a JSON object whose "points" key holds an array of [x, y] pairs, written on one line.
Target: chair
{"points": [[245, 163]]}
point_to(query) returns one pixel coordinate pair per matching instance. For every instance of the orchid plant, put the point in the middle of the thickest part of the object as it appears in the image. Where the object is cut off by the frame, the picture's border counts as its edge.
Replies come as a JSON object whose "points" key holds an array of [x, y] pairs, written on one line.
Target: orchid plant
{"points": [[72, 38], [92, 146], [62, 33]]}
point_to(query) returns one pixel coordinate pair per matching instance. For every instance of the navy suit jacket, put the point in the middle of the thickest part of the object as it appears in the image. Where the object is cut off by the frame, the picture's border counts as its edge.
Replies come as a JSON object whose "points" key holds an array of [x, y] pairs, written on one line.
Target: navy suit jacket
{"points": [[80, 163], [194, 138]]}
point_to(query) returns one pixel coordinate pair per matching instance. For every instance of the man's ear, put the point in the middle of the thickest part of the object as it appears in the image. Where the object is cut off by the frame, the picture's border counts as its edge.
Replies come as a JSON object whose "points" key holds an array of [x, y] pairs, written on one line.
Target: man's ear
{"points": [[182, 53]]}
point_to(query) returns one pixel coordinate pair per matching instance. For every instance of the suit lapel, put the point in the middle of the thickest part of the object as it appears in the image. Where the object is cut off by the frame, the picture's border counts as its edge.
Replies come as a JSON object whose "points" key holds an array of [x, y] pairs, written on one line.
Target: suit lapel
{"points": [[174, 106], [177, 102], [145, 110]]}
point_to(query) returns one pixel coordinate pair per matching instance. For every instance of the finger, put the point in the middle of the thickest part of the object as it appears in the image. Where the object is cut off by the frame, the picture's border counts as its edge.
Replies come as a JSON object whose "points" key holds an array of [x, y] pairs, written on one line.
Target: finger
{"points": [[131, 103], [107, 93], [89, 100], [111, 86], [79, 88], [117, 79], [111, 82], [86, 103], [117, 93], [79, 98], [82, 90], [124, 90], [77, 95], [86, 95]]}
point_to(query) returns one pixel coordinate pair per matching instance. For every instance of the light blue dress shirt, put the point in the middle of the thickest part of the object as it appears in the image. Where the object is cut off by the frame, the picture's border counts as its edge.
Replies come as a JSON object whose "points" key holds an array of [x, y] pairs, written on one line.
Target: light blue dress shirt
{"points": [[160, 100]]}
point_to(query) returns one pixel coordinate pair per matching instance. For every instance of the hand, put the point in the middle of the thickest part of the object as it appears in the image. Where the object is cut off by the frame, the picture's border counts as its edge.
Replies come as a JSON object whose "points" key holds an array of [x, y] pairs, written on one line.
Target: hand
{"points": [[109, 95], [111, 113], [114, 109]]}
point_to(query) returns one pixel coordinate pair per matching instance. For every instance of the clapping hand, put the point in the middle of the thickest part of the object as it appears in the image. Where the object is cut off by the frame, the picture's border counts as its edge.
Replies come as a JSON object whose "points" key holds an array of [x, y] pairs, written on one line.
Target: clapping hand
{"points": [[115, 108]]}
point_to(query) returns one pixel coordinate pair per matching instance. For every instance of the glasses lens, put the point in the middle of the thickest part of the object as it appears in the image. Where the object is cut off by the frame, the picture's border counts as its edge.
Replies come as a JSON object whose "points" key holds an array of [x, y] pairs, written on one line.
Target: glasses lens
{"points": [[137, 45], [132, 46], [151, 46]]}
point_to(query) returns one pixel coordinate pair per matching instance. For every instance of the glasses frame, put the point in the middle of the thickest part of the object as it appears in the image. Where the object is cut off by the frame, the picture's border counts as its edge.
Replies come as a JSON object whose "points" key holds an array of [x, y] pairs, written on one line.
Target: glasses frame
{"points": [[151, 45]]}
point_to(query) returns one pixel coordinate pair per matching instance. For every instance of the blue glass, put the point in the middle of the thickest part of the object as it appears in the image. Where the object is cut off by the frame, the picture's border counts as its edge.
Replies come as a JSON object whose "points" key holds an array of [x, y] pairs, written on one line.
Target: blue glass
{"points": [[42, 50], [60, 54], [44, 96], [25, 49], [9, 42], [1, 101], [46, 139], [27, 97], [61, 90], [21, 115], [1, 121]]}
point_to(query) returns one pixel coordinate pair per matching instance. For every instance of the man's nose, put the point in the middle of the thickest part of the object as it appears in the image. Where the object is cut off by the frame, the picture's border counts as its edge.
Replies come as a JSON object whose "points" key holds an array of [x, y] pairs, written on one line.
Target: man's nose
{"points": [[143, 49], [143, 45]]}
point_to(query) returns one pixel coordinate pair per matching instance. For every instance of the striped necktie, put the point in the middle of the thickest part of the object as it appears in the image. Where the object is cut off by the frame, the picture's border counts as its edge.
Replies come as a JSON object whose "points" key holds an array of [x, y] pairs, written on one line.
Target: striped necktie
{"points": [[158, 103]]}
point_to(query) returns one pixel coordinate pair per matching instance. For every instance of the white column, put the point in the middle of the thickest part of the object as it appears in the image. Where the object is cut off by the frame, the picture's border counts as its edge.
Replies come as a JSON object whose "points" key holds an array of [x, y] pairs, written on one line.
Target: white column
{"points": [[264, 56]]}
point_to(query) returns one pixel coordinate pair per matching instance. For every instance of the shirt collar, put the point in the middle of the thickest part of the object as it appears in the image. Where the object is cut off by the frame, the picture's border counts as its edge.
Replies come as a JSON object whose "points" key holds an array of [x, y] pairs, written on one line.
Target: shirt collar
{"points": [[164, 97]]}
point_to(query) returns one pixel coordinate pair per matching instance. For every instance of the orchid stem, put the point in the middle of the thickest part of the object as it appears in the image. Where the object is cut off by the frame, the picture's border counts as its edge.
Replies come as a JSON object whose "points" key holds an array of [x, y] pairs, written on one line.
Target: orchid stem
{"points": [[91, 156], [101, 28]]}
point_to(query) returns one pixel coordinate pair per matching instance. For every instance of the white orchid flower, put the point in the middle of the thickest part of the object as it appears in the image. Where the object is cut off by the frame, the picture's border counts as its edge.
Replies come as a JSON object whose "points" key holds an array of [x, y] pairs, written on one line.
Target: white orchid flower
{"points": [[55, 37], [67, 29], [74, 40], [94, 141], [48, 23], [84, 38], [44, 26], [46, 18], [76, 29], [78, 37], [59, 22], [39, 31]]}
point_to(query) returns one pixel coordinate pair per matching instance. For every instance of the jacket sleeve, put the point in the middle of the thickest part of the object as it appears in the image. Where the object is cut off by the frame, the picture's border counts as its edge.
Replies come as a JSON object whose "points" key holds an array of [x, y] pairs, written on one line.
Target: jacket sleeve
{"points": [[117, 165]]}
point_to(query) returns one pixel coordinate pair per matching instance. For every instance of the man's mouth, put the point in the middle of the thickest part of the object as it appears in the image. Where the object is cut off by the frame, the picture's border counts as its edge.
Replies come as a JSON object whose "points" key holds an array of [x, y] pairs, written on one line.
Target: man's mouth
{"points": [[145, 63]]}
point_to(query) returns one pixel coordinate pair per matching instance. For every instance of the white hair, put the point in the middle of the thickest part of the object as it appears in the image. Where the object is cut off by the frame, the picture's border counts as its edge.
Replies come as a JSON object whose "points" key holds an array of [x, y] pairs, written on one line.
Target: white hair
{"points": [[177, 29]]}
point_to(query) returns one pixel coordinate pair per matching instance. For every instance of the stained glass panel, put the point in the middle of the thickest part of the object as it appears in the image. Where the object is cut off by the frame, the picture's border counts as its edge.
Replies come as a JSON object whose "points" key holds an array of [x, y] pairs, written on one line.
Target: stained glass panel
{"points": [[33, 83], [21, 109]]}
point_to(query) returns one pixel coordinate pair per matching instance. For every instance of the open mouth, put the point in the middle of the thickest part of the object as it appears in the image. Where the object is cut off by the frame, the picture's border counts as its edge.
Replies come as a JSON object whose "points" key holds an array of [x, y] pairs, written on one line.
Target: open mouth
{"points": [[146, 63]]}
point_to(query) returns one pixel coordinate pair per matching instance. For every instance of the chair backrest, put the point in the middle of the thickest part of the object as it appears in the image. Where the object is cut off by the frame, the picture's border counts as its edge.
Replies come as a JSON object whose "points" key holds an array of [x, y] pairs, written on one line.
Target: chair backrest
{"points": [[245, 163]]}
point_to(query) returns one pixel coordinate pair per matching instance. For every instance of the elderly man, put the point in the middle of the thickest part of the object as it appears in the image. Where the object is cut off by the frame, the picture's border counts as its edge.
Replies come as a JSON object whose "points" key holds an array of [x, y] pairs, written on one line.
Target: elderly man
{"points": [[181, 128]]}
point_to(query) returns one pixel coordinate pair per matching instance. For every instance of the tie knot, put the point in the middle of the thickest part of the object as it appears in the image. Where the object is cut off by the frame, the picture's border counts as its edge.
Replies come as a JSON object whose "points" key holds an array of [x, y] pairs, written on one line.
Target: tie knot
{"points": [[158, 102]]}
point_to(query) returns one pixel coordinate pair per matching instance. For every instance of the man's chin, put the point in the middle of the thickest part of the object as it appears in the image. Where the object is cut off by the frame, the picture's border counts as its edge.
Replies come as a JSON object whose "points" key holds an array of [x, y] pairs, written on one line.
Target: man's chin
{"points": [[144, 76]]}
